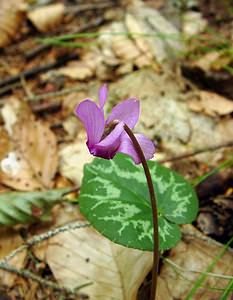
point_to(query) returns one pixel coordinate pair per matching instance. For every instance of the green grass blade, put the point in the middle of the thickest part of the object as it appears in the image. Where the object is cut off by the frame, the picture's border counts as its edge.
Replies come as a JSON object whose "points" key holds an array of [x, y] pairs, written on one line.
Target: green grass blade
{"points": [[226, 164], [202, 278], [227, 291]]}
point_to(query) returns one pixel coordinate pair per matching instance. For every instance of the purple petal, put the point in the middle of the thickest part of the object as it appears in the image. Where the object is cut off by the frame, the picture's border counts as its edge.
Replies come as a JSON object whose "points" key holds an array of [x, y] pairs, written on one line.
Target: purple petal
{"points": [[126, 111], [127, 147], [107, 148], [103, 94], [92, 118]]}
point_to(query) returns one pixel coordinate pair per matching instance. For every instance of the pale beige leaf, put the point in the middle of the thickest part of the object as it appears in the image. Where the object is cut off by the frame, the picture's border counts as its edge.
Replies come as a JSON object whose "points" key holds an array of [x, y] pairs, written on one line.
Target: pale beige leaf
{"points": [[10, 240], [38, 146], [79, 70], [206, 61], [11, 17], [14, 110], [16, 172], [136, 28], [211, 104], [47, 17], [215, 104], [83, 256], [191, 256], [193, 23], [72, 159], [124, 48]]}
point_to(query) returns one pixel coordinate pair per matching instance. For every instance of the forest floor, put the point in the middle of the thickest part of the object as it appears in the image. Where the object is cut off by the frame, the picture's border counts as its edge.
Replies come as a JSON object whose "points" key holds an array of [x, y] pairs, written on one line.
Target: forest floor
{"points": [[176, 57]]}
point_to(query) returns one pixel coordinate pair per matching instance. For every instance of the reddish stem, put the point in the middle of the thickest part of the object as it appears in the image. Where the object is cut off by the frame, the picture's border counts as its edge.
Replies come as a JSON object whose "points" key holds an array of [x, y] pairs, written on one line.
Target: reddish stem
{"points": [[154, 211]]}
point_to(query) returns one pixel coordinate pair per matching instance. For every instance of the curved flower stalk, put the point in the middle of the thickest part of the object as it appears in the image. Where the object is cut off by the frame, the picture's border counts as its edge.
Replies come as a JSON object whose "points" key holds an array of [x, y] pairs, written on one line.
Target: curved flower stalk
{"points": [[107, 137]]}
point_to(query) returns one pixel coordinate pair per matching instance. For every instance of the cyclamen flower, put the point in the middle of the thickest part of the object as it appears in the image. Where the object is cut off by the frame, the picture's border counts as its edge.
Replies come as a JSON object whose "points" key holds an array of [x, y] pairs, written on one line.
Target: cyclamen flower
{"points": [[106, 138]]}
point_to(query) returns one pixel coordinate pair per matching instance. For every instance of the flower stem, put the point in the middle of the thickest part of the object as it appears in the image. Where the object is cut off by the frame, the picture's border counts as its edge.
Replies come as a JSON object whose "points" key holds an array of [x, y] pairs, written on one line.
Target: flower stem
{"points": [[154, 211]]}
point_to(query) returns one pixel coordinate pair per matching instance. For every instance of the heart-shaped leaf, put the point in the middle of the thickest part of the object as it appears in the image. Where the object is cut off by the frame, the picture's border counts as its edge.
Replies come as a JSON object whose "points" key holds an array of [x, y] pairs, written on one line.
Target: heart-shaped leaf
{"points": [[114, 197]]}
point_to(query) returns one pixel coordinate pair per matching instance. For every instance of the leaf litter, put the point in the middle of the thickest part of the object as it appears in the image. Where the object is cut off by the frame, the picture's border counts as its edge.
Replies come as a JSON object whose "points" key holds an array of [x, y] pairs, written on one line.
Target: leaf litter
{"points": [[44, 148]]}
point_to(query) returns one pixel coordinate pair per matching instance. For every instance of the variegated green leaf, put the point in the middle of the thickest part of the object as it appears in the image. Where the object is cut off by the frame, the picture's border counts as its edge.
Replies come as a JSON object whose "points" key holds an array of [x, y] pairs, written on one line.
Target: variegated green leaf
{"points": [[114, 198], [28, 207]]}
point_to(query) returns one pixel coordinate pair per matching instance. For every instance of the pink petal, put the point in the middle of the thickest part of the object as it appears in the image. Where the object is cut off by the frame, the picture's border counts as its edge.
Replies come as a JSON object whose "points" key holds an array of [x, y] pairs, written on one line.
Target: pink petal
{"points": [[127, 147], [92, 118], [107, 148], [103, 94], [126, 111]]}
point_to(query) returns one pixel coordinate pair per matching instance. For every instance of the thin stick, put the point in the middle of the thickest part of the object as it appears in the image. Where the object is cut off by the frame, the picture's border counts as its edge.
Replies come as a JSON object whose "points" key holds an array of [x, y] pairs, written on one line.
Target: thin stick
{"points": [[43, 282], [42, 237], [154, 211], [199, 151], [37, 70]]}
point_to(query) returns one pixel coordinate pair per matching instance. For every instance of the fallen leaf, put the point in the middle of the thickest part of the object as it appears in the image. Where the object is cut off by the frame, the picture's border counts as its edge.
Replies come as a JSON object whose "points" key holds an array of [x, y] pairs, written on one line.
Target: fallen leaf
{"points": [[81, 256], [79, 70], [11, 17], [15, 172], [123, 47], [38, 146], [165, 40], [206, 61], [212, 104], [14, 110], [188, 260], [72, 159], [193, 23], [47, 17], [10, 240]]}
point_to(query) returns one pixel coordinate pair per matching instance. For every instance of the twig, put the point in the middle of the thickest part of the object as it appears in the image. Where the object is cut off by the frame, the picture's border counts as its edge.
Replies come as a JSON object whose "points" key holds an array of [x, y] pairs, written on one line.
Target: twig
{"points": [[44, 282], [9, 87], [63, 92], [169, 261], [48, 107], [199, 151], [39, 69], [44, 236], [38, 49], [154, 211], [76, 9]]}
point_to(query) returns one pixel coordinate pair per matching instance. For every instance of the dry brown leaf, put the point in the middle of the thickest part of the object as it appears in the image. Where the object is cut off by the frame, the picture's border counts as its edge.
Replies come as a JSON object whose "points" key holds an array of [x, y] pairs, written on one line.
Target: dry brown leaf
{"points": [[134, 26], [47, 17], [16, 172], [206, 61], [81, 256], [193, 254], [38, 146], [14, 110], [73, 158], [11, 17], [212, 104], [10, 240], [124, 48], [79, 70]]}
